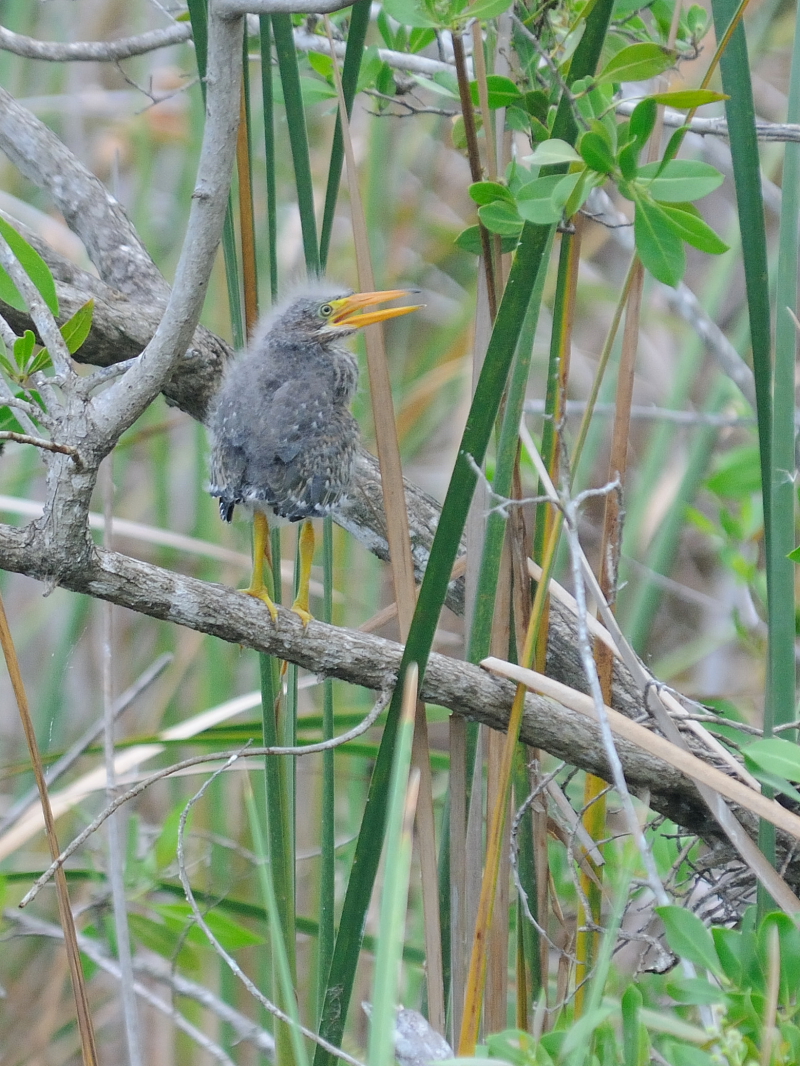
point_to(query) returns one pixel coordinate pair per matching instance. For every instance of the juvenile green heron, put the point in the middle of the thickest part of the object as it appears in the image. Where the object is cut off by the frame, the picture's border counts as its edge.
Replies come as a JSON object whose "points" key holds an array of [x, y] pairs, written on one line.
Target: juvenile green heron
{"points": [[284, 440]]}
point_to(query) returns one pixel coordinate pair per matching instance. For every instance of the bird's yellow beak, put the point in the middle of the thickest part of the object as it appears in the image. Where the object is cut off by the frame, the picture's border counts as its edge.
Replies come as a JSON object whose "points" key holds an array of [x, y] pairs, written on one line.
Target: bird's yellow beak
{"points": [[346, 310]]}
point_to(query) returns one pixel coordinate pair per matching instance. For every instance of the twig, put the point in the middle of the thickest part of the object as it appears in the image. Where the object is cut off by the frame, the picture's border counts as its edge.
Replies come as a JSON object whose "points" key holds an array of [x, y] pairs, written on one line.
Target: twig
{"points": [[39, 442]]}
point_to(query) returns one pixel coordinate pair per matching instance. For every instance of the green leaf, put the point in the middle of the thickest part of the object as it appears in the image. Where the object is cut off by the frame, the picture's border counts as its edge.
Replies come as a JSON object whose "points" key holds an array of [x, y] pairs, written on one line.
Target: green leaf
{"points": [[694, 990], [470, 240], [737, 473], [535, 200], [486, 192], [371, 66], [410, 13], [552, 152], [163, 940], [596, 152], [500, 217], [519, 120], [642, 121], [486, 9], [41, 361], [637, 62], [577, 190], [231, 934], [322, 64], [630, 1004], [681, 180], [689, 938], [501, 91], [76, 329], [420, 38], [8, 420], [693, 229], [536, 104], [683, 99], [385, 82], [659, 246], [728, 946], [33, 265], [687, 1055], [778, 756], [23, 349]]}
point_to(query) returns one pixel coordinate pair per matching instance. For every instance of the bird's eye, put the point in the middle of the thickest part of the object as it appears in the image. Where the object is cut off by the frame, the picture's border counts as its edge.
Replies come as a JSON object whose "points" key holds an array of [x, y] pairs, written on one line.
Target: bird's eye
{"points": [[326, 310]]}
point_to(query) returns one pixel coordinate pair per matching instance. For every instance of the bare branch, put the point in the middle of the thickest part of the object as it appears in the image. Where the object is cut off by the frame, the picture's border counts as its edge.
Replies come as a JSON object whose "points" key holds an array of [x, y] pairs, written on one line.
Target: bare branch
{"points": [[230, 9], [718, 127], [94, 51], [39, 442]]}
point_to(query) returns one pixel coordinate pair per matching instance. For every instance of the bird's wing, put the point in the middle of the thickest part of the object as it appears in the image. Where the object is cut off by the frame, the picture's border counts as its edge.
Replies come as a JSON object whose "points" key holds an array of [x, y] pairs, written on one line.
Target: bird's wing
{"points": [[290, 458]]}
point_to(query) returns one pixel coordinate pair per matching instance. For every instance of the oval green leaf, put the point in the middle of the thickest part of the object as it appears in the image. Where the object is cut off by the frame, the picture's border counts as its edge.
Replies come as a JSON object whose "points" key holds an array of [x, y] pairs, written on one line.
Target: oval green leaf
{"points": [[637, 62], [689, 938], [76, 329], [658, 244], [552, 151], [410, 13], [500, 218], [501, 91], [694, 230], [775, 755], [535, 203], [33, 265], [681, 180], [596, 152], [470, 241], [486, 192], [683, 99], [486, 9]]}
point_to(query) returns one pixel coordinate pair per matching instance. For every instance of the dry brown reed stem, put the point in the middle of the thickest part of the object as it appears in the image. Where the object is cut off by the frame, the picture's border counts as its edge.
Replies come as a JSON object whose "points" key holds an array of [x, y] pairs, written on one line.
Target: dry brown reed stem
{"points": [[85, 1027]]}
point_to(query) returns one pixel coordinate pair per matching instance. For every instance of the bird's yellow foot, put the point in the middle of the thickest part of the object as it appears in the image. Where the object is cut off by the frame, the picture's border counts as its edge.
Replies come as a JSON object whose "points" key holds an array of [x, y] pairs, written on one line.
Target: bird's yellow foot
{"points": [[301, 609], [260, 593]]}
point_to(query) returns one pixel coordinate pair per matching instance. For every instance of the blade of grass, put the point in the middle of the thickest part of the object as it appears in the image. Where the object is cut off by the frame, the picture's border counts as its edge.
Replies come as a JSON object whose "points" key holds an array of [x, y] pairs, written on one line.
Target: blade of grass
{"points": [[356, 36], [298, 137]]}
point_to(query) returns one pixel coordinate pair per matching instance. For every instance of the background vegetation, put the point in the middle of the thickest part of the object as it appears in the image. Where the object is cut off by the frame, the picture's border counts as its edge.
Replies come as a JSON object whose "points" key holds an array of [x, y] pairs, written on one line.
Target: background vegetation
{"points": [[712, 419]]}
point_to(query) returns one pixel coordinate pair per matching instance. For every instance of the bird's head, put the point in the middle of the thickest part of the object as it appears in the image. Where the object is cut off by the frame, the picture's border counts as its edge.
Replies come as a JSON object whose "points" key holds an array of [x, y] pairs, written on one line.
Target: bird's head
{"points": [[325, 315]]}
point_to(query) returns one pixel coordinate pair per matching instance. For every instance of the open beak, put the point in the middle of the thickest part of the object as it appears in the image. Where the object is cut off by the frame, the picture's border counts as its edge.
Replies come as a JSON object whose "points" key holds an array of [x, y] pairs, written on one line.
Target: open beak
{"points": [[346, 311]]}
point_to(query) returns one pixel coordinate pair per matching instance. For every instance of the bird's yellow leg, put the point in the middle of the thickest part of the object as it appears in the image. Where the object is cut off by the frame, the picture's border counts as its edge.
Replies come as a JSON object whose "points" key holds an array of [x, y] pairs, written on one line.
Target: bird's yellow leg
{"points": [[306, 549], [257, 586]]}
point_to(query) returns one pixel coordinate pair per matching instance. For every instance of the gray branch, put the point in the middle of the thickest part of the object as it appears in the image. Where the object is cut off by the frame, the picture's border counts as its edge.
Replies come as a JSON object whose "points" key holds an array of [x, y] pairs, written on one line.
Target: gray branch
{"points": [[372, 662], [94, 51]]}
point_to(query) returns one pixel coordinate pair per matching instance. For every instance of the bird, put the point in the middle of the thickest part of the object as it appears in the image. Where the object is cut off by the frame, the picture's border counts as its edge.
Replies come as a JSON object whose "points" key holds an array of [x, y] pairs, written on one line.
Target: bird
{"points": [[283, 437]]}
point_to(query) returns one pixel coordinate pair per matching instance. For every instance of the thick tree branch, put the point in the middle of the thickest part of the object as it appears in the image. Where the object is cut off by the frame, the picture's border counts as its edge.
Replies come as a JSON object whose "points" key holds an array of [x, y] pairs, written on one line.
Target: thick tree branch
{"points": [[367, 660]]}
